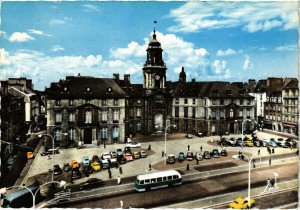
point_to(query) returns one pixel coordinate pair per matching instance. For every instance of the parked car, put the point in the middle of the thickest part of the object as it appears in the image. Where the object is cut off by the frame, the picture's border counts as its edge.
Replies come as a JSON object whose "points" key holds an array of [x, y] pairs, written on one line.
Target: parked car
{"points": [[181, 157], [281, 142], [189, 156], [87, 169], [66, 167], [119, 152], [50, 152], [29, 155], [128, 157], [143, 154], [291, 142], [232, 141], [136, 155], [105, 156], [91, 183], [95, 158], [57, 170], [127, 150], [224, 142], [215, 153], [113, 163], [271, 143], [121, 159], [200, 134], [223, 152], [85, 161], [96, 166], [171, 159], [198, 156], [241, 203], [248, 143], [206, 155], [263, 142], [113, 154], [76, 173], [256, 142], [188, 135], [240, 142], [133, 145], [75, 164], [104, 164]]}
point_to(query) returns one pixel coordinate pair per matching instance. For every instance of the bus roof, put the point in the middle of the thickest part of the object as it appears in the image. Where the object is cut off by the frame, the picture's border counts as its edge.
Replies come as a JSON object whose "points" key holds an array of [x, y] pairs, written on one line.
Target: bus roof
{"points": [[158, 174], [21, 192]]}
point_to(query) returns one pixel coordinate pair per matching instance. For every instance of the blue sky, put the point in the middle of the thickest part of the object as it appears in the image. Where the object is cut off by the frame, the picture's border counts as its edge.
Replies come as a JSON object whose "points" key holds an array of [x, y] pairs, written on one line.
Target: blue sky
{"points": [[229, 41]]}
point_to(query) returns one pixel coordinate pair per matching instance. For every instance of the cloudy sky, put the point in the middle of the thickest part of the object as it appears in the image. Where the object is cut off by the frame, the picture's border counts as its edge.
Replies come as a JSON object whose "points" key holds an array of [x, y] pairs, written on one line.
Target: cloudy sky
{"points": [[232, 41]]}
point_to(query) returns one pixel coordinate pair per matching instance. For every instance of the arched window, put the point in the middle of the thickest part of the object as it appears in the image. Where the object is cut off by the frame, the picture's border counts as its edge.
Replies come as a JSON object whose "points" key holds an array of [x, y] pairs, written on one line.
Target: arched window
{"points": [[103, 133], [138, 127], [115, 133], [231, 113], [71, 134], [57, 136], [88, 117]]}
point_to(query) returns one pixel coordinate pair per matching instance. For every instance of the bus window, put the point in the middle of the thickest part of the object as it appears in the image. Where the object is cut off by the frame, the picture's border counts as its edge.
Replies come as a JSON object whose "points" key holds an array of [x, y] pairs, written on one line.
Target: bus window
{"points": [[169, 177], [165, 178], [175, 177], [147, 181], [159, 179], [153, 180], [142, 182]]}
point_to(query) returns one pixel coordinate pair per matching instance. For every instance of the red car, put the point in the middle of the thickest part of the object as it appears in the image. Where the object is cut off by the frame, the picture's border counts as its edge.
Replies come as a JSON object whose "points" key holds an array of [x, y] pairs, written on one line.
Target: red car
{"points": [[128, 157]]}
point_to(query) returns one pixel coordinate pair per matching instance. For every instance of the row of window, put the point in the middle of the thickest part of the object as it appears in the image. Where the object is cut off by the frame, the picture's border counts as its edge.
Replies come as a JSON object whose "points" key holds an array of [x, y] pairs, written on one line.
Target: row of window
{"points": [[159, 179], [274, 99], [103, 102]]}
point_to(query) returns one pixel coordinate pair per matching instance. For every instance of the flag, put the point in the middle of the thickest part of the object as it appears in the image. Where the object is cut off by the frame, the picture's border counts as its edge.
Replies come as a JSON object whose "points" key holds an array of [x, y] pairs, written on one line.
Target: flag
{"points": [[155, 21]]}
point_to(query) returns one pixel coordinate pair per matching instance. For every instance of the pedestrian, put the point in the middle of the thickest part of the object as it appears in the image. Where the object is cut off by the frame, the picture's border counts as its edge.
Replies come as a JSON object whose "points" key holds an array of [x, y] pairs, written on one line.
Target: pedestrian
{"points": [[121, 203], [273, 150], [109, 173], [268, 182], [212, 140], [188, 167], [291, 146], [270, 161], [197, 161], [253, 163], [201, 148], [129, 206], [188, 147], [149, 166], [119, 180], [258, 152], [162, 153], [120, 170], [49, 158], [272, 182], [104, 144], [149, 147]]}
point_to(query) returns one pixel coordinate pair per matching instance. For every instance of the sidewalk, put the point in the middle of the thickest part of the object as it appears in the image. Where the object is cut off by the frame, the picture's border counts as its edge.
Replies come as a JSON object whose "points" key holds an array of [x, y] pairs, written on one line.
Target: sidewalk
{"points": [[287, 135]]}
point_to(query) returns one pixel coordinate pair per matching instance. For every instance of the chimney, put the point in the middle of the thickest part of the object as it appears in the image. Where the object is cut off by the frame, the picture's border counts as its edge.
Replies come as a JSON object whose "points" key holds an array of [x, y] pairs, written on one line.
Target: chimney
{"points": [[193, 80], [127, 78], [116, 76]]}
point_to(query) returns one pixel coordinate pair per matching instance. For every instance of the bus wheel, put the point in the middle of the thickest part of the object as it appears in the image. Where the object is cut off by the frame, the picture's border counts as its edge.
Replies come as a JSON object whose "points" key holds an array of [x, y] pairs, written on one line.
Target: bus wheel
{"points": [[170, 185], [148, 188]]}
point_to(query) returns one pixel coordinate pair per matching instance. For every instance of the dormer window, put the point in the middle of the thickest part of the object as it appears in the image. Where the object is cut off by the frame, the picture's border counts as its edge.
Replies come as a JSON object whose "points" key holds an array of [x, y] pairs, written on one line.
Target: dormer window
{"points": [[109, 89], [228, 92], [65, 89], [88, 89]]}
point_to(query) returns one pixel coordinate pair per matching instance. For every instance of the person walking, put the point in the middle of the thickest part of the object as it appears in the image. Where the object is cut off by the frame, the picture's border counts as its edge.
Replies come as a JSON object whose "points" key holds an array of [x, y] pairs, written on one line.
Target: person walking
{"points": [[109, 173], [253, 163], [201, 148], [197, 161], [162, 153], [268, 182], [120, 170], [258, 152], [273, 150], [270, 162], [150, 167], [188, 167], [119, 180], [188, 147], [104, 144]]}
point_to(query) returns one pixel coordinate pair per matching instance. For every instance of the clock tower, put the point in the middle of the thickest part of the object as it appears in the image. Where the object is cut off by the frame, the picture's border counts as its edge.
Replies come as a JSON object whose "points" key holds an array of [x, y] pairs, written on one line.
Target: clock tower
{"points": [[154, 68]]}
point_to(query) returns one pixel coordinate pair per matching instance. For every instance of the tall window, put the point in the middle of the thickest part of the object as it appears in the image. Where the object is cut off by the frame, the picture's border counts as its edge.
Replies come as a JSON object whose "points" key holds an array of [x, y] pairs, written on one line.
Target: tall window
{"points": [[176, 111], [186, 125], [131, 112], [71, 102], [194, 101], [71, 117], [115, 133], [57, 102], [231, 113], [103, 133], [58, 117], [213, 114], [186, 112], [194, 112], [248, 112], [116, 102], [139, 126], [222, 114], [214, 102], [88, 117], [176, 100], [138, 112], [115, 115], [71, 134], [241, 113], [104, 102], [185, 101], [57, 136], [241, 101], [222, 102], [104, 115]]}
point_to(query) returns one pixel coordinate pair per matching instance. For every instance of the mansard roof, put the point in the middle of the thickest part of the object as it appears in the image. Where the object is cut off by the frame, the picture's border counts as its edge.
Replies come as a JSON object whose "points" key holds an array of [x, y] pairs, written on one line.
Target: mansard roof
{"points": [[214, 89], [85, 87], [292, 84]]}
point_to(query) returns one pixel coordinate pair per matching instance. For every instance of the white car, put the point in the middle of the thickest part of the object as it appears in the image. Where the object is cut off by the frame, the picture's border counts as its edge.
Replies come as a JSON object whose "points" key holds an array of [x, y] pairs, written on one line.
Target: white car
{"points": [[106, 156], [133, 145]]}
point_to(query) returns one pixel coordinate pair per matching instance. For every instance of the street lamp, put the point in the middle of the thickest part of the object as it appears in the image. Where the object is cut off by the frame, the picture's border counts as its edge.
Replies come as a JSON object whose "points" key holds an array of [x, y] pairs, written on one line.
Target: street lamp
{"points": [[249, 177], [246, 120], [40, 135], [166, 128], [275, 175]]}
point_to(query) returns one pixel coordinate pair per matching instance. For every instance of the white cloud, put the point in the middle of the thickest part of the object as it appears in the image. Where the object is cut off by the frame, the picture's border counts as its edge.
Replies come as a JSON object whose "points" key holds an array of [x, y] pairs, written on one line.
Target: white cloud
{"points": [[90, 8], [57, 48], [226, 52], [37, 32], [247, 63], [55, 21], [20, 37], [286, 48], [220, 70], [252, 16], [133, 49]]}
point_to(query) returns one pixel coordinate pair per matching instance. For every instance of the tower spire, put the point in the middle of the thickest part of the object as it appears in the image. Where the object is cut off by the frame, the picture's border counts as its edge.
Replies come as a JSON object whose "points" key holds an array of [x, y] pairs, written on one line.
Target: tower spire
{"points": [[154, 35]]}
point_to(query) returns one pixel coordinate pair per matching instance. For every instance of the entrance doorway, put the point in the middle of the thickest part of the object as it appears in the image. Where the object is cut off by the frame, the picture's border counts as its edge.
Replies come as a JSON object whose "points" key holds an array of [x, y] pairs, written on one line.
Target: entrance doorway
{"points": [[231, 128], [87, 136], [158, 121]]}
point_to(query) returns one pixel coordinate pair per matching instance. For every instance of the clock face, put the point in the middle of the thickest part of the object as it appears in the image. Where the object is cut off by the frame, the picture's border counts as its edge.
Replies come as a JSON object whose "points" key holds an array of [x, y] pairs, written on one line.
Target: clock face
{"points": [[157, 77]]}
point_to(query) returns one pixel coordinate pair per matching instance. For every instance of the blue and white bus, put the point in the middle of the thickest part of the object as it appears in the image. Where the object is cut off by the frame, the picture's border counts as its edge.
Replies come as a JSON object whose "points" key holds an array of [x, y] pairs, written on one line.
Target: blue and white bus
{"points": [[156, 180]]}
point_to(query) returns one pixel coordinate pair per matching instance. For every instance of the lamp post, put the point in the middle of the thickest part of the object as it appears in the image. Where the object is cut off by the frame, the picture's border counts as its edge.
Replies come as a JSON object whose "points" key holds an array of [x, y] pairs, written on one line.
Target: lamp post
{"points": [[166, 128], [40, 135], [246, 120], [275, 175], [249, 177]]}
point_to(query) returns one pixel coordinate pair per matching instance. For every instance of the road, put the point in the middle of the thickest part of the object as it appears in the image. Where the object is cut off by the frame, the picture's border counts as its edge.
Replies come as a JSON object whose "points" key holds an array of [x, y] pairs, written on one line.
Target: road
{"points": [[189, 191]]}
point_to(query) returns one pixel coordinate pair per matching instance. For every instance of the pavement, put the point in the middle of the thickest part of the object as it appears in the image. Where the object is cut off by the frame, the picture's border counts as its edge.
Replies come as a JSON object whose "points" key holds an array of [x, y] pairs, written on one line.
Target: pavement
{"points": [[175, 144]]}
